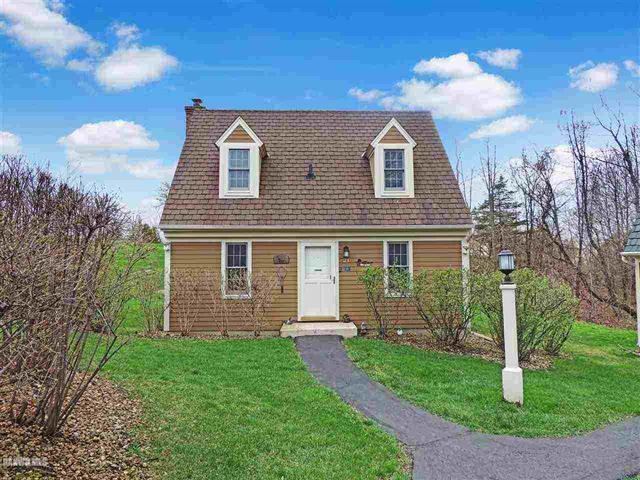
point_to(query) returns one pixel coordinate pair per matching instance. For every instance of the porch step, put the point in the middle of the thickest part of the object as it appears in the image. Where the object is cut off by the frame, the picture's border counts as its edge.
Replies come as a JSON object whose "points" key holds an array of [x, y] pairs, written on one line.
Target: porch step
{"points": [[345, 330]]}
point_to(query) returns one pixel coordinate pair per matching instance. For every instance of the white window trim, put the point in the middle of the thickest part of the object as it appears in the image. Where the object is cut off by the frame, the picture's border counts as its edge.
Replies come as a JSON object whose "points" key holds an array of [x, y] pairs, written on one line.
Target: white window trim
{"points": [[378, 162], [223, 270], [254, 162], [381, 191], [385, 253], [254, 171]]}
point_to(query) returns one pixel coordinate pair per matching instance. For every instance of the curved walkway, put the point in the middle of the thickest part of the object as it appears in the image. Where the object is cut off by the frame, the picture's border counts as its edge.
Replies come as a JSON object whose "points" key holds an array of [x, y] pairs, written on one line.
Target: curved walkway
{"points": [[444, 450]]}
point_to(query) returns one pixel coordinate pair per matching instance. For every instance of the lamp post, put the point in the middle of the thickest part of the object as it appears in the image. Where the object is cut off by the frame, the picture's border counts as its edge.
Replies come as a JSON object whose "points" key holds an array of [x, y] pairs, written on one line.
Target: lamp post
{"points": [[512, 387]]}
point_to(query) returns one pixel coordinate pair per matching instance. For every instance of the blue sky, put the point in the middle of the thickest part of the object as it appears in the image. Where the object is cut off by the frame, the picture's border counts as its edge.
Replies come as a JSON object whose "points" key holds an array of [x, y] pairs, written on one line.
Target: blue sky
{"points": [[72, 69]]}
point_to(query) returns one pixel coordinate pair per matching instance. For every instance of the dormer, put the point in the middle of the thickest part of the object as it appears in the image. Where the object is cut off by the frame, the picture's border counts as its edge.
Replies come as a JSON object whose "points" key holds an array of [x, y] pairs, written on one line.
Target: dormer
{"points": [[390, 155], [240, 154]]}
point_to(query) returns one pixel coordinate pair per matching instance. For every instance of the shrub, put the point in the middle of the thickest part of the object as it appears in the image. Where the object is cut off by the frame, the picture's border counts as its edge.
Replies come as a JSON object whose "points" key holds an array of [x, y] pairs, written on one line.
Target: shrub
{"points": [[443, 300], [545, 310], [65, 271], [188, 292], [383, 301], [150, 296], [254, 307]]}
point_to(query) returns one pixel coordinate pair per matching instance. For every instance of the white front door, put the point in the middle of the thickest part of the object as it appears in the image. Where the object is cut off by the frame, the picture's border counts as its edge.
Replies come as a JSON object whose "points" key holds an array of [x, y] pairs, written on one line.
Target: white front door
{"points": [[318, 278]]}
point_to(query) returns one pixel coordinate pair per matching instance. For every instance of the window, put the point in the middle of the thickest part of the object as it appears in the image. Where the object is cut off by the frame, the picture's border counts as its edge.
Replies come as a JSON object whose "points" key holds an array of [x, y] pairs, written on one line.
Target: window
{"points": [[238, 169], [237, 258], [398, 259], [394, 169]]}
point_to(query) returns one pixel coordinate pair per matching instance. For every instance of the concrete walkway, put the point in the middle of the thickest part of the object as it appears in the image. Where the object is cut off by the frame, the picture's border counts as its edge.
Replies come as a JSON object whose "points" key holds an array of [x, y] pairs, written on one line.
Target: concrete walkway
{"points": [[444, 450]]}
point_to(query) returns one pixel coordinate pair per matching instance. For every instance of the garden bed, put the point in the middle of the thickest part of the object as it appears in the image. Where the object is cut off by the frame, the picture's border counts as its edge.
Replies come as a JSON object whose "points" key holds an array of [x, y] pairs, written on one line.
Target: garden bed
{"points": [[475, 346], [95, 443]]}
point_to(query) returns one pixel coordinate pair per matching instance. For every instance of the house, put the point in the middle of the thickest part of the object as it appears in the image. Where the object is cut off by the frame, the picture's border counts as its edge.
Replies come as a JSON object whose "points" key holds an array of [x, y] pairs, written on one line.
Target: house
{"points": [[632, 250], [314, 196]]}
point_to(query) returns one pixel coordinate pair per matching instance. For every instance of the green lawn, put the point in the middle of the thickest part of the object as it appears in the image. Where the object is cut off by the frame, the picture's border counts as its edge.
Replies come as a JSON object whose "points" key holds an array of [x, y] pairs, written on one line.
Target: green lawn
{"points": [[243, 409], [246, 409], [597, 383]]}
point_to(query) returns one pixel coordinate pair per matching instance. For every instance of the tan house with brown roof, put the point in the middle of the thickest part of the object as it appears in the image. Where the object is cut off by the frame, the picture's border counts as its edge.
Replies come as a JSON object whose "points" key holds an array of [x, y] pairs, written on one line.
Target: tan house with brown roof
{"points": [[318, 194]]}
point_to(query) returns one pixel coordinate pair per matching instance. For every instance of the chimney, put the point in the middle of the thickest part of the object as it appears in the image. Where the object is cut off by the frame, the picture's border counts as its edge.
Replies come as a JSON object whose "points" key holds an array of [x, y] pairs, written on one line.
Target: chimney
{"points": [[197, 104]]}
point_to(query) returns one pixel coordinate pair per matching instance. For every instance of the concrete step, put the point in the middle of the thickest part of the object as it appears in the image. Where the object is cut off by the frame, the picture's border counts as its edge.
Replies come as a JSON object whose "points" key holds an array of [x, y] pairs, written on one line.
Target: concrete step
{"points": [[345, 330]]}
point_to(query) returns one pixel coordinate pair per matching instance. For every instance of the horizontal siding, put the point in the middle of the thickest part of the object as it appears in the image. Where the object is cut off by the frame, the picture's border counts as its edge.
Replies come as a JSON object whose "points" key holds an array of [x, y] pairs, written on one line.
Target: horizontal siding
{"points": [[239, 135], [207, 256], [426, 254], [353, 301], [393, 136]]}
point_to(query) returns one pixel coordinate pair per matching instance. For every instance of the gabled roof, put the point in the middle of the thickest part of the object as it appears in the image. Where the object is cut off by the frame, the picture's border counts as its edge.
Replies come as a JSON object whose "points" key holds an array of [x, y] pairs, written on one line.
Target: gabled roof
{"points": [[393, 123], [342, 193], [633, 242], [239, 122]]}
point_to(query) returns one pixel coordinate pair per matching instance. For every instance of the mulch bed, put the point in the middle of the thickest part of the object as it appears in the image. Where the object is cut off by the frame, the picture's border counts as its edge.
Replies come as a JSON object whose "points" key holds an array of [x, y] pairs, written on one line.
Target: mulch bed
{"points": [[475, 346], [94, 443]]}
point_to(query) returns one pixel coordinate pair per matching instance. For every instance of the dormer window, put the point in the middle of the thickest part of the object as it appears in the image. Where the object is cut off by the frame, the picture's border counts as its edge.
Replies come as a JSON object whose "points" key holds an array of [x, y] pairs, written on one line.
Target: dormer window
{"points": [[240, 155], [391, 158]]}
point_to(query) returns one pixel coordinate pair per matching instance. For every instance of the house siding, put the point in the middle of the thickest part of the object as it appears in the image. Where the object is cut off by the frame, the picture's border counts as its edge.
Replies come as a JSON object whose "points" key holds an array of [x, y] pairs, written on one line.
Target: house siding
{"points": [[426, 255], [239, 135], [207, 255], [393, 136]]}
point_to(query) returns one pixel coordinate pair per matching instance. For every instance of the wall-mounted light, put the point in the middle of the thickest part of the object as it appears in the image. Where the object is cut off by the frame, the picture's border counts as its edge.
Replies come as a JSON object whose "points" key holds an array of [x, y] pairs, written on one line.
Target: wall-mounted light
{"points": [[345, 252]]}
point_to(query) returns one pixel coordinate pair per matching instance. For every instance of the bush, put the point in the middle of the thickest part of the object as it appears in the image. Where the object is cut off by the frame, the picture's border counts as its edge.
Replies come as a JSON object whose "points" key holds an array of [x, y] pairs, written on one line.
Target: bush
{"points": [[380, 300], [443, 300], [150, 296], [63, 274], [545, 309]]}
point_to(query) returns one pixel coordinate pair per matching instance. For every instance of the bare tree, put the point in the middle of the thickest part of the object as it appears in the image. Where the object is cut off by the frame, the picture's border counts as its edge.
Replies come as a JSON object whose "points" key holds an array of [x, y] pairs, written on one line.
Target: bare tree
{"points": [[65, 272]]}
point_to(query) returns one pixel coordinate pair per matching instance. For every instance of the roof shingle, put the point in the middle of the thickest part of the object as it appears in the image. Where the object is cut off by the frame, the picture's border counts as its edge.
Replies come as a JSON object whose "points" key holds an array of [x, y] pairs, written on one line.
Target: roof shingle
{"points": [[633, 242], [342, 193]]}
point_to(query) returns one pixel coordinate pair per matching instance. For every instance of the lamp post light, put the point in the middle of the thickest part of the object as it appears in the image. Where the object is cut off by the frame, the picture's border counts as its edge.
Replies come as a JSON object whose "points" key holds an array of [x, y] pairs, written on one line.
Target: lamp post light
{"points": [[512, 386]]}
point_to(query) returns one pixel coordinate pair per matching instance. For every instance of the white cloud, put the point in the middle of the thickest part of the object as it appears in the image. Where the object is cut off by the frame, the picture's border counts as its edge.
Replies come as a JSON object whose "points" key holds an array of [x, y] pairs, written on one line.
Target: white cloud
{"points": [[110, 135], [75, 65], [502, 57], [148, 210], [132, 66], [365, 95], [39, 77], [151, 169], [503, 126], [126, 33], [40, 27], [470, 98], [633, 67], [590, 77], [10, 143], [453, 66], [102, 147]]}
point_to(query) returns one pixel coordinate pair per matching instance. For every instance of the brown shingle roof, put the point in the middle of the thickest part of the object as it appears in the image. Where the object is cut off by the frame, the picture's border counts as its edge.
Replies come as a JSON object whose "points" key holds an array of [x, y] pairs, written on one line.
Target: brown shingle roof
{"points": [[341, 194]]}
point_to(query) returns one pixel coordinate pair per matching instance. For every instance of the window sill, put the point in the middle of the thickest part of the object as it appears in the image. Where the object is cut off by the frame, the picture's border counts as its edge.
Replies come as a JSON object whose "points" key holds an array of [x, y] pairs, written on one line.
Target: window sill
{"points": [[241, 296], [240, 194], [396, 194]]}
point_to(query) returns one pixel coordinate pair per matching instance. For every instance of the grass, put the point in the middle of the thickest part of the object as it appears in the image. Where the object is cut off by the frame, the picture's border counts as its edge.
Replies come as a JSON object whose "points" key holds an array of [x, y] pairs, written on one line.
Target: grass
{"points": [[132, 322], [595, 383], [247, 409], [243, 409]]}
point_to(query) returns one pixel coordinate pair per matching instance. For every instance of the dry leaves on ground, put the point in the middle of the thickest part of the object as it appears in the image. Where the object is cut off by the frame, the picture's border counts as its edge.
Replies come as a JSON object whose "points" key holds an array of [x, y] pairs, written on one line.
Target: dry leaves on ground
{"points": [[94, 444]]}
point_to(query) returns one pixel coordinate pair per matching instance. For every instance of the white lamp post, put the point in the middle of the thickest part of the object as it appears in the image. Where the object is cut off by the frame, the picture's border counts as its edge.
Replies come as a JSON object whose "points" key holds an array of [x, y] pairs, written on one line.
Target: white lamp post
{"points": [[512, 387]]}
